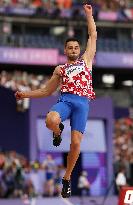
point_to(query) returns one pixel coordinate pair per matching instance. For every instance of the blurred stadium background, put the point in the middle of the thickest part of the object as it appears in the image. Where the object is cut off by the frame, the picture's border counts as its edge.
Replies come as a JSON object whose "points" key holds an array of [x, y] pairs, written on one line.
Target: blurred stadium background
{"points": [[32, 35]]}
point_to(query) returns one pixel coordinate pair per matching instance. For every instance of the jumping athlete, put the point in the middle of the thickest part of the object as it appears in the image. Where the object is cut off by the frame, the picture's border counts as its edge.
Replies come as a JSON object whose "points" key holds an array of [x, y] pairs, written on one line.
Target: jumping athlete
{"points": [[75, 78]]}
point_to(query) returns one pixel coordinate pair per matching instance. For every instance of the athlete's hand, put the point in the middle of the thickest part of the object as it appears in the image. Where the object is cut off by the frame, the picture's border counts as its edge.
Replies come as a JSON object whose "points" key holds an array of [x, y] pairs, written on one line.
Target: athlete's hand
{"points": [[88, 10], [19, 95]]}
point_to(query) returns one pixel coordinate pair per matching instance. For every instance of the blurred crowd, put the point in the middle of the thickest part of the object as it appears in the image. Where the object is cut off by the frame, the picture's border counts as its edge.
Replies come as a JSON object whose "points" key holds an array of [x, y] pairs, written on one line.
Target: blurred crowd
{"points": [[19, 177], [22, 81], [123, 139], [66, 8], [103, 4], [37, 3], [24, 179], [123, 146]]}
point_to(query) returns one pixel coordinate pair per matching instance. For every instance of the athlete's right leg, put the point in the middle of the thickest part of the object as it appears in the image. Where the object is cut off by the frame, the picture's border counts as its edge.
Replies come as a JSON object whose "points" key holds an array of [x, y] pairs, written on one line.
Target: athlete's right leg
{"points": [[58, 113], [52, 121]]}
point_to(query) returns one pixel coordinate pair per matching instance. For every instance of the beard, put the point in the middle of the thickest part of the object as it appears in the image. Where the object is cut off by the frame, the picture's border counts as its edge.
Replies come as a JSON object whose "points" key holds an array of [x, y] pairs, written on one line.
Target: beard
{"points": [[73, 57]]}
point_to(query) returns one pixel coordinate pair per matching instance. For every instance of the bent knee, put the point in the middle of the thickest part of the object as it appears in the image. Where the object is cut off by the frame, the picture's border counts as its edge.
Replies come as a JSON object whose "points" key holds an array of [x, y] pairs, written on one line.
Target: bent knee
{"points": [[52, 119]]}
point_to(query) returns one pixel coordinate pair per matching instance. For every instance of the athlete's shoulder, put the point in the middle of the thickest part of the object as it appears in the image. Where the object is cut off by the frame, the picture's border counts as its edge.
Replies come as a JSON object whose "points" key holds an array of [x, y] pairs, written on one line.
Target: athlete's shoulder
{"points": [[57, 70], [60, 66]]}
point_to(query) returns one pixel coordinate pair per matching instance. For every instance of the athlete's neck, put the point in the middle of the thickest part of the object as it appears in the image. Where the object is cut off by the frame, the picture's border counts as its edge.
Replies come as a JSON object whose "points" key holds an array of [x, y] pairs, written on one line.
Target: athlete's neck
{"points": [[71, 62]]}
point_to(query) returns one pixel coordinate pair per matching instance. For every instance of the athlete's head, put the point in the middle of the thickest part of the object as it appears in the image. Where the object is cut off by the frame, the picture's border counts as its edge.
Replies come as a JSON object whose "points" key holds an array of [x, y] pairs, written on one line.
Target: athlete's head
{"points": [[72, 49]]}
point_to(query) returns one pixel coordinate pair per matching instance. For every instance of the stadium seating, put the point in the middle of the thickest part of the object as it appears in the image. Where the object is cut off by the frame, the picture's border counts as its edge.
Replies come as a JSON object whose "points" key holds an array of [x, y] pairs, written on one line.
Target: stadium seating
{"points": [[113, 45], [44, 41]]}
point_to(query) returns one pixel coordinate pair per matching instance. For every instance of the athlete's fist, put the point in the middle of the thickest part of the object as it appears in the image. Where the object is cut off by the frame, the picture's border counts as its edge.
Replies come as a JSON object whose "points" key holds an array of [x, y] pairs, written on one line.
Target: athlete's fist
{"points": [[88, 10], [19, 95]]}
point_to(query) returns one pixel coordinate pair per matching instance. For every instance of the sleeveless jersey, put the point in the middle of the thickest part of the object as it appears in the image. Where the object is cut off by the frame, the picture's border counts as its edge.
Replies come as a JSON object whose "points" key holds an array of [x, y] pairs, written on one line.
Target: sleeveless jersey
{"points": [[77, 79]]}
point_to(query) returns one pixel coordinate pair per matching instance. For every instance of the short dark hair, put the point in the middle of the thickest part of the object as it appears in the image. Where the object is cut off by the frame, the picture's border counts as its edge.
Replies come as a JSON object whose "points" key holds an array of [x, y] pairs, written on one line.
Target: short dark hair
{"points": [[71, 39]]}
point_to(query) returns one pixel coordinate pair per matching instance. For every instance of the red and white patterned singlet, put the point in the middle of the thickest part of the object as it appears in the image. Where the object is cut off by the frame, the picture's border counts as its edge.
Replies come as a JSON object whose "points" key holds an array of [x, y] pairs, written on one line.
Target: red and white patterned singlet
{"points": [[77, 79]]}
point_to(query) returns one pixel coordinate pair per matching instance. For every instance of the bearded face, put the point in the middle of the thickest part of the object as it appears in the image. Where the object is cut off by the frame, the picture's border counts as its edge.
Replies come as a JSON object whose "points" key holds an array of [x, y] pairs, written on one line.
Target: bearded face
{"points": [[72, 50]]}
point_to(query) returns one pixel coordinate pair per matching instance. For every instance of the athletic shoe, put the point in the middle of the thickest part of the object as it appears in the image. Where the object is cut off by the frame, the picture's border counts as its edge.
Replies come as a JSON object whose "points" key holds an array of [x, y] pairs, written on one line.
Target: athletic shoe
{"points": [[66, 190], [57, 139]]}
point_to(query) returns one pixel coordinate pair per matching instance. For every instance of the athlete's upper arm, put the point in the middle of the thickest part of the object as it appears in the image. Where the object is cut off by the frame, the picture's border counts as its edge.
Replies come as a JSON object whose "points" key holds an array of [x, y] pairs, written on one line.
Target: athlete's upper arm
{"points": [[90, 49], [54, 81]]}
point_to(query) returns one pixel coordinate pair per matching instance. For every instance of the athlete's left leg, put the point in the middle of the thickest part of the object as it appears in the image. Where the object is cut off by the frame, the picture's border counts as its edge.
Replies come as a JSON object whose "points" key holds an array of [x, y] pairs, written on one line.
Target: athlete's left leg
{"points": [[72, 157], [76, 138], [78, 123]]}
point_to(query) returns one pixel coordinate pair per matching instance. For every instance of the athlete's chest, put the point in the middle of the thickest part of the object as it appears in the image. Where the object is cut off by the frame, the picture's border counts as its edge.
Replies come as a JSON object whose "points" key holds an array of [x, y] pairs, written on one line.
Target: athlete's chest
{"points": [[74, 70]]}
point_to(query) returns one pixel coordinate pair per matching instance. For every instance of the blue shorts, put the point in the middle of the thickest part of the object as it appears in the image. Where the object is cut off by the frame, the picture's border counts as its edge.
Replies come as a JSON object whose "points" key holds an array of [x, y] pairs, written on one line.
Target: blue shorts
{"points": [[75, 108]]}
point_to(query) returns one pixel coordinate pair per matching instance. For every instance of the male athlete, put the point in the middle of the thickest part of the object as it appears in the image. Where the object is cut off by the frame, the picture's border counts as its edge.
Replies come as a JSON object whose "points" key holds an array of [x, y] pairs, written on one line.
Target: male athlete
{"points": [[75, 78]]}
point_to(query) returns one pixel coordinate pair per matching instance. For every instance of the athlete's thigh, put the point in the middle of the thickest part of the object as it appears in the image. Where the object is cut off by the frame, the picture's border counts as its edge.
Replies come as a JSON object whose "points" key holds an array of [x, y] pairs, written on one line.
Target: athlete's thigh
{"points": [[79, 118], [63, 109]]}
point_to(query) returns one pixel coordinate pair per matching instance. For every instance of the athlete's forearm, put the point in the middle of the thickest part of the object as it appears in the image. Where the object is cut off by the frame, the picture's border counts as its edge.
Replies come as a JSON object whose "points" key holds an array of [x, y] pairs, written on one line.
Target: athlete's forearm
{"points": [[91, 26], [36, 93], [50, 87]]}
